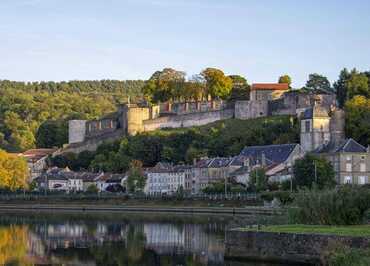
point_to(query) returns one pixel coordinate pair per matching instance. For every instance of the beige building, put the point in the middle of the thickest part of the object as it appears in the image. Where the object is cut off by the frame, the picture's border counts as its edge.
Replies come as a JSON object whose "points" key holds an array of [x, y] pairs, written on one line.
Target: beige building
{"points": [[351, 162], [37, 161], [267, 91], [324, 135]]}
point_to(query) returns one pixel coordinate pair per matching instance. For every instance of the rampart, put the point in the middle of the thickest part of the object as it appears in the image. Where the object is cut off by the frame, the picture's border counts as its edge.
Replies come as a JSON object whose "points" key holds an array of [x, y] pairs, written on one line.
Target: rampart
{"points": [[188, 120]]}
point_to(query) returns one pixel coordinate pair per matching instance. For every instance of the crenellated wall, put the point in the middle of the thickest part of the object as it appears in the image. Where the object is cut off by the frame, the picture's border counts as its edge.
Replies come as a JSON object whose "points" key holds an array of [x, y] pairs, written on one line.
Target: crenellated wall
{"points": [[187, 120]]}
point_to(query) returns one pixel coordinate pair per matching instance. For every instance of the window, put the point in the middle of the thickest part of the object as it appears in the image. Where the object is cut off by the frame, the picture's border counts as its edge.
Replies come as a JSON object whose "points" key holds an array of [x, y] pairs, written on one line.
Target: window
{"points": [[348, 167], [348, 180], [307, 126], [362, 167], [362, 180]]}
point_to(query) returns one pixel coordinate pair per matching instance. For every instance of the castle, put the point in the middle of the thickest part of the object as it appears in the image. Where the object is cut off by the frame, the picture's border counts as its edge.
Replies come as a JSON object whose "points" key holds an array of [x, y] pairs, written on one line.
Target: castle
{"points": [[266, 99]]}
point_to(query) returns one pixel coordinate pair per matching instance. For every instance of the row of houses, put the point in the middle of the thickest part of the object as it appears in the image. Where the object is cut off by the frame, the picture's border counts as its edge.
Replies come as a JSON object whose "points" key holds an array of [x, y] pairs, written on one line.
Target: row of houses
{"points": [[166, 178], [321, 133], [63, 179]]}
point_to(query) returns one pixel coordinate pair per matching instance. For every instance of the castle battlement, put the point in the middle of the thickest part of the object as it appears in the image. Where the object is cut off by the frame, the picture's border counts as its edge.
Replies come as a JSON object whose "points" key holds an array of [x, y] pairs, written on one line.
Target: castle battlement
{"points": [[133, 118]]}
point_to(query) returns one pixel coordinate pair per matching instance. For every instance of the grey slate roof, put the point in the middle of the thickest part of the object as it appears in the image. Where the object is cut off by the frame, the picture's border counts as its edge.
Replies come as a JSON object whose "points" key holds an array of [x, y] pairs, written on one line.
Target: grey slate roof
{"points": [[350, 145], [219, 162], [273, 153]]}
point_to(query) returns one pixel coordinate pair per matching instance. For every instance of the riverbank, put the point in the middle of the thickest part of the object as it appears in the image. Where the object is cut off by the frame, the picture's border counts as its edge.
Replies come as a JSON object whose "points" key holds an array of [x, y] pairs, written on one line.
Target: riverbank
{"points": [[142, 208], [293, 243]]}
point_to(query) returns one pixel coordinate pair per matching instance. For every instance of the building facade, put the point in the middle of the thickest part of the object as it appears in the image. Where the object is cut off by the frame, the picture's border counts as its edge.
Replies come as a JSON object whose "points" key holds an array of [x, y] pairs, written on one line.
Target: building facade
{"points": [[167, 179]]}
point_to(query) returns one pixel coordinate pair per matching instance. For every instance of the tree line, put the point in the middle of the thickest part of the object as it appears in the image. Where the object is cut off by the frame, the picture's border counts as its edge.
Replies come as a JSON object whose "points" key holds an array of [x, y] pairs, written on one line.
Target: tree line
{"points": [[36, 113]]}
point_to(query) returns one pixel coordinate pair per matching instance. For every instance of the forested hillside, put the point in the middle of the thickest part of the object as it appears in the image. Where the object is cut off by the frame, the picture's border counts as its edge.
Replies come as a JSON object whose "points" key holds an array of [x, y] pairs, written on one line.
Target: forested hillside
{"points": [[36, 114]]}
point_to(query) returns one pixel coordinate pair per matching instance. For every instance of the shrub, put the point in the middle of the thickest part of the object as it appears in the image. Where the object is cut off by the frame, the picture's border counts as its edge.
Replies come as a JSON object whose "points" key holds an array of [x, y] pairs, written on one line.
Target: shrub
{"points": [[343, 206], [339, 255], [285, 197]]}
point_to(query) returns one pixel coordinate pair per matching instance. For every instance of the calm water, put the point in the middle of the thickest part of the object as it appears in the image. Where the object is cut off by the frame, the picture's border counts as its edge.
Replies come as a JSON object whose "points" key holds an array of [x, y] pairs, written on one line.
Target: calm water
{"points": [[115, 239]]}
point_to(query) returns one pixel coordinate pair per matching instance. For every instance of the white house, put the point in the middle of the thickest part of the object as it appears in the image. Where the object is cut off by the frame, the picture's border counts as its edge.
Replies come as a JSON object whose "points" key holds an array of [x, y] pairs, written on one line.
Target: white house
{"points": [[164, 178]]}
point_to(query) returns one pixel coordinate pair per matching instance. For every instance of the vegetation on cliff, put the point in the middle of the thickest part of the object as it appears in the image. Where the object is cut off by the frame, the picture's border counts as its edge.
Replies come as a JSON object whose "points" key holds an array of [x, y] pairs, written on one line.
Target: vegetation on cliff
{"points": [[182, 145]]}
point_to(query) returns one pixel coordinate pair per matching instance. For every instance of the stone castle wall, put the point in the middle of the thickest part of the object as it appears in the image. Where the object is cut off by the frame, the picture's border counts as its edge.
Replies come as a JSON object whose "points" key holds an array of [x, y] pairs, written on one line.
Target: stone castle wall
{"points": [[293, 103], [187, 120], [76, 131], [250, 109]]}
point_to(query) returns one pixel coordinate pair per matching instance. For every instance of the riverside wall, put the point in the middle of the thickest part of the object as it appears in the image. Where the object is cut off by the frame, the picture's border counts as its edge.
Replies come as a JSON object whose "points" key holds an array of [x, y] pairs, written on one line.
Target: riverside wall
{"points": [[285, 247]]}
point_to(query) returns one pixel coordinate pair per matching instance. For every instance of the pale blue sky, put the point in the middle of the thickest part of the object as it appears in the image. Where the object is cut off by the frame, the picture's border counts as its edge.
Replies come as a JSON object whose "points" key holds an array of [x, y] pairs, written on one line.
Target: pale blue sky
{"points": [[130, 39]]}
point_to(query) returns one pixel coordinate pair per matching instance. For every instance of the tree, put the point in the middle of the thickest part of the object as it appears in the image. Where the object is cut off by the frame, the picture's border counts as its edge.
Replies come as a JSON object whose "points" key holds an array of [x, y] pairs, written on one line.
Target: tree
{"points": [[318, 82], [357, 84], [92, 189], [340, 87], [258, 179], [13, 172], [52, 134], [240, 89], [313, 169], [217, 84], [136, 179], [357, 112], [165, 85], [285, 79]]}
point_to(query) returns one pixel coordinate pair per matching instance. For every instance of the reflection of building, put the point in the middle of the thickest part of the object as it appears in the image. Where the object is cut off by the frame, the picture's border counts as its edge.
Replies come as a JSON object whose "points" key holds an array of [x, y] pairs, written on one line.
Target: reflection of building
{"points": [[74, 242], [185, 239]]}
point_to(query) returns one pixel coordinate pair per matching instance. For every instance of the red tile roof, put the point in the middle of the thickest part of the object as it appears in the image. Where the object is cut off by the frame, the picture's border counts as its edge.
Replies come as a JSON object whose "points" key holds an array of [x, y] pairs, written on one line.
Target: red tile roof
{"points": [[270, 86], [37, 154]]}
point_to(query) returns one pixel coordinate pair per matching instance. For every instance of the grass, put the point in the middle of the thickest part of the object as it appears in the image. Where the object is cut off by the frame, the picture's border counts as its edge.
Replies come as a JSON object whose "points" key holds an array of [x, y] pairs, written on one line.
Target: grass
{"points": [[352, 230]]}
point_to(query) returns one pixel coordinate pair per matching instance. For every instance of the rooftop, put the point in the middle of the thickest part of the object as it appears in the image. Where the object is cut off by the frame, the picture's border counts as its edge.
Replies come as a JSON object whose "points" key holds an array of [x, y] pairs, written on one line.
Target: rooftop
{"points": [[273, 153], [270, 86], [37, 154]]}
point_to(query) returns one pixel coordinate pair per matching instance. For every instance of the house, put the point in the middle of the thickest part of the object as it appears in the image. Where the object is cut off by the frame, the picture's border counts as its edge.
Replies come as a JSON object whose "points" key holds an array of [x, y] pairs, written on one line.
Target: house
{"points": [[350, 160], [37, 160], [267, 91], [107, 182], [165, 178], [323, 135], [240, 175], [54, 179], [207, 171], [276, 159]]}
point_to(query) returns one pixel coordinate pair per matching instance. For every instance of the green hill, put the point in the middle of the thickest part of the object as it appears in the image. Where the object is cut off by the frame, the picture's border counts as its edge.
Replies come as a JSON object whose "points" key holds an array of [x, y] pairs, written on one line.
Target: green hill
{"points": [[182, 145]]}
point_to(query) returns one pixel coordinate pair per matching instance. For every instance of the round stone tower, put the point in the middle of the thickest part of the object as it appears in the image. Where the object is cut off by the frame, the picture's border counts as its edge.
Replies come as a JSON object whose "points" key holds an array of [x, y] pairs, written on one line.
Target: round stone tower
{"points": [[337, 124]]}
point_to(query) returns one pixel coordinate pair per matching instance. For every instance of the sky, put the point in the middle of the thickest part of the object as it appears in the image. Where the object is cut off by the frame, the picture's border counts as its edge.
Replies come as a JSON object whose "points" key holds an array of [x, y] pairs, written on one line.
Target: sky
{"points": [[44, 40]]}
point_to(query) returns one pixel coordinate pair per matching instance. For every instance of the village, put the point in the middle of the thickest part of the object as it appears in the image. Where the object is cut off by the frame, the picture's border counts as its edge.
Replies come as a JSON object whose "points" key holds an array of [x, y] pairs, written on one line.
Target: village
{"points": [[321, 133]]}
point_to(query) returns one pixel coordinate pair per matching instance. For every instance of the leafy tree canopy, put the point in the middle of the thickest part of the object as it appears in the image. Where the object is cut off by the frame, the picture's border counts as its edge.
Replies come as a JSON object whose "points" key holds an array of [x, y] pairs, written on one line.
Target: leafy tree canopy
{"points": [[312, 169], [13, 171], [285, 79], [318, 82]]}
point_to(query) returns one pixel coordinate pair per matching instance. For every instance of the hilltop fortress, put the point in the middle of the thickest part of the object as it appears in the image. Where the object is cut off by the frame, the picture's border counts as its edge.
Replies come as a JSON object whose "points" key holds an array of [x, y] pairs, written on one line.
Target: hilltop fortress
{"points": [[266, 99]]}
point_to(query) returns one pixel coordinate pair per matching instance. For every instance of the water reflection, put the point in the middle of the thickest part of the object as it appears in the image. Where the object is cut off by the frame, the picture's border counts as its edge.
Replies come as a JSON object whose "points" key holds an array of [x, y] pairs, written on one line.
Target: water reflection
{"points": [[74, 239]]}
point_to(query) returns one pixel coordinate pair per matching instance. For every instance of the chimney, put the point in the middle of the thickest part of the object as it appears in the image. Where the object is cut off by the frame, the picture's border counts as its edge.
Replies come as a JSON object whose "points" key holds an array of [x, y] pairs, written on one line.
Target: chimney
{"points": [[263, 160]]}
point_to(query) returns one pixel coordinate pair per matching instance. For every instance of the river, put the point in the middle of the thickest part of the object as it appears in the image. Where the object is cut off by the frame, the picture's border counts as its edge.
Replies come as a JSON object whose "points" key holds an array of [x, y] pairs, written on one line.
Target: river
{"points": [[81, 238]]}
